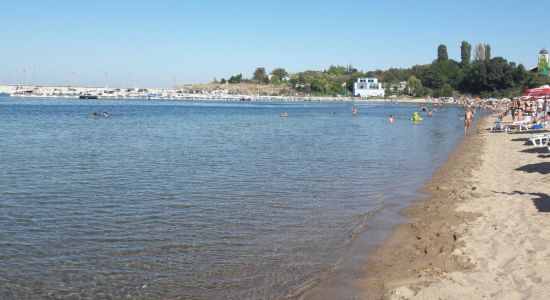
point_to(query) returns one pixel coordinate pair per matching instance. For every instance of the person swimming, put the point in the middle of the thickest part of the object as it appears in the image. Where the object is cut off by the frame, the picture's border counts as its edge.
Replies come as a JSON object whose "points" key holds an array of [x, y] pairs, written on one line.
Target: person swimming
{"points": [[430, 113], [285, 114], [105, 115], [94, 115], [390, 119], [416, 117]]}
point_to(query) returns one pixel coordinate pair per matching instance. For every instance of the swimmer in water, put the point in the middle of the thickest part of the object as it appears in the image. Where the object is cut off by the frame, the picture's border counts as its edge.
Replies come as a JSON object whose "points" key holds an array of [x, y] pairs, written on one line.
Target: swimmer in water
{"points": [[284, 115], [105, 115], [94, 115], [430, 113], [390, 119]]}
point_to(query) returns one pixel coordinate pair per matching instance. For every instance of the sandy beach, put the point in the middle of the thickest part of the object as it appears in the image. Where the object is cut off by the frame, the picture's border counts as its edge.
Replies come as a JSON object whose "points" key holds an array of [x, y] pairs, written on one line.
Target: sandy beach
{"points": [[483, 234]]}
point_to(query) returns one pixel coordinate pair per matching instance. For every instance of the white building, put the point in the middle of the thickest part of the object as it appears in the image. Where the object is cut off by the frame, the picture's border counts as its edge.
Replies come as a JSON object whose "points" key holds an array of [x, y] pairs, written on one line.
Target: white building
{"points": [[368, 87]]}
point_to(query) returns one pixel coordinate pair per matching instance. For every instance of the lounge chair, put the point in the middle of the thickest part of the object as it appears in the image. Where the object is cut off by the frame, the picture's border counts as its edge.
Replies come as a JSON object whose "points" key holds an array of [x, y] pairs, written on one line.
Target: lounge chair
{"points": [[500, 127], [540, 140], [522, 125]]}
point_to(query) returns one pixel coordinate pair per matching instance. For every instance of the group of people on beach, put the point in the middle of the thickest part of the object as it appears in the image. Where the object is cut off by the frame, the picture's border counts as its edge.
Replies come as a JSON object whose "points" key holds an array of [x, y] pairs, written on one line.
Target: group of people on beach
{"points": [[520, 108]]}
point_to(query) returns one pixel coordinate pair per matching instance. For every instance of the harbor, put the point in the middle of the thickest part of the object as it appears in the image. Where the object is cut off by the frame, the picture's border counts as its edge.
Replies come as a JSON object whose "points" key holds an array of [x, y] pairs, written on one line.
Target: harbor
{"points": [[184, 92]]}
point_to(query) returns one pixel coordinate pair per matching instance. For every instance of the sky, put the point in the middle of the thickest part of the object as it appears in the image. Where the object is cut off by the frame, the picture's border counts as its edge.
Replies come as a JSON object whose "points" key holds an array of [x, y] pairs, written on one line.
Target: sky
{"points": [[156, 43]]}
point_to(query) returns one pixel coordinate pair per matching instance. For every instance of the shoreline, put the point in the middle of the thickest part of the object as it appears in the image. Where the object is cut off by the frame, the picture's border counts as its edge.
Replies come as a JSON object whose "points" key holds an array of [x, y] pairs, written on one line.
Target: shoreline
{"points": [[239, 98], [436, 254], [419, 249], [348, 279]]}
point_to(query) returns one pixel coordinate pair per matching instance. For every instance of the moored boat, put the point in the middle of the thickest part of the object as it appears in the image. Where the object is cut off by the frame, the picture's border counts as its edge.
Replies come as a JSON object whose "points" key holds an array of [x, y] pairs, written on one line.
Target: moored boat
{"points": [[87, 96]]}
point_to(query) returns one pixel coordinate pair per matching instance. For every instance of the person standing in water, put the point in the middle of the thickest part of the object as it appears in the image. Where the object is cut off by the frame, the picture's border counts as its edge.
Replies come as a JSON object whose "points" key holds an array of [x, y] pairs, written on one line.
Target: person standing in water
{"points": [[467, 120], [354, 111], [390, 119]]}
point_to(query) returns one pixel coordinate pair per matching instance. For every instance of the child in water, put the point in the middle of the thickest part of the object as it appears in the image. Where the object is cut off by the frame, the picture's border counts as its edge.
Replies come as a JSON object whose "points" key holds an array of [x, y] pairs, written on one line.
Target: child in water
{"points": [[390, 119]]}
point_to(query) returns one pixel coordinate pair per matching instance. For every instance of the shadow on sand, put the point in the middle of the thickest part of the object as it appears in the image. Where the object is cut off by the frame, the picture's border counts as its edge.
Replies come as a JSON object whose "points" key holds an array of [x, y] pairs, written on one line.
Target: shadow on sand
{"points": [[528, 132], [536, 150], [543, 168], [541, 200], [525, 140]]}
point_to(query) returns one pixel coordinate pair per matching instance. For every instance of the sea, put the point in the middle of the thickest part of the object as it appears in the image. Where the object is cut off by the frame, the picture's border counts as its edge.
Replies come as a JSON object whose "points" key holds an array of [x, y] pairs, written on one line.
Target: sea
{"points": [[204, 199]]}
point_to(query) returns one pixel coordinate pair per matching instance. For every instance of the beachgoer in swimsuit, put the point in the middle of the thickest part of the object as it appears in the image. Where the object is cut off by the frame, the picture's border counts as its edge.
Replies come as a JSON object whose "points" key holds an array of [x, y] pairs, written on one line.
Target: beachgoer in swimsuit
{"points": [[467, 120]]}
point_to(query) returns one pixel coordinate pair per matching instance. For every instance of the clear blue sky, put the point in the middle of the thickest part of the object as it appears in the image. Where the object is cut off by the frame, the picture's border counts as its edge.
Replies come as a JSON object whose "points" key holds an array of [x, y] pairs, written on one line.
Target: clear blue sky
{"points": [[151, 42]]}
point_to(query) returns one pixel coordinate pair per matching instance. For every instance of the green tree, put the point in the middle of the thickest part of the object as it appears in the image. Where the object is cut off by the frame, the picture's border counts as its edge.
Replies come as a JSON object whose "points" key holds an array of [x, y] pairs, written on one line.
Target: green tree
{"points": [[476, 79], [494, 77], [223, 81], [520, 74], [337, 70], [236, 79], [487, 52], [442, 54], [259, 74], [350, 70], [434, 76], [388, 92], [465, 54], [414, 86], [537, 80], [446, 91], [317, 86], [279, 74]]}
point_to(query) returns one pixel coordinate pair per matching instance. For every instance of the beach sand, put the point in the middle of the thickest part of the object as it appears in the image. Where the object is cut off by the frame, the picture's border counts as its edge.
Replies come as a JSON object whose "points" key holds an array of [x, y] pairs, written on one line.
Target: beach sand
{"points": [[485, 233]]}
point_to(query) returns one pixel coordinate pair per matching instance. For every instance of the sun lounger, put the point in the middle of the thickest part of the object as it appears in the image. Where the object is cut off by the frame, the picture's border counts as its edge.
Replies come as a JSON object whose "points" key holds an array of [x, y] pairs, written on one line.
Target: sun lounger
{"points": [[500, 127], [522, 125], [540, 140]]}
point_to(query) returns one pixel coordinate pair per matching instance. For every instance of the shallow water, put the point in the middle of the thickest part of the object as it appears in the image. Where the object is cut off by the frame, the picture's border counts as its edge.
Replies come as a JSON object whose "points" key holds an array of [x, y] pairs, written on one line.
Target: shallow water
{"points": [[199, 200]]}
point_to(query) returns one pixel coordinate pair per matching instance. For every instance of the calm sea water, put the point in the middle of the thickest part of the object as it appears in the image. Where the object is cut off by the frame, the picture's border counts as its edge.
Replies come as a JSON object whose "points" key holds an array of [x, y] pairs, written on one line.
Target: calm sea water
{"points": [[199, 199]]}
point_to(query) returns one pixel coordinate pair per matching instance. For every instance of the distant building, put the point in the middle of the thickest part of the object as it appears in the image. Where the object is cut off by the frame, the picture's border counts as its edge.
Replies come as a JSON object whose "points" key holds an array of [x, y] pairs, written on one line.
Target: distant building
{"points": [[368, 87], [542, 64], [399, 88]]}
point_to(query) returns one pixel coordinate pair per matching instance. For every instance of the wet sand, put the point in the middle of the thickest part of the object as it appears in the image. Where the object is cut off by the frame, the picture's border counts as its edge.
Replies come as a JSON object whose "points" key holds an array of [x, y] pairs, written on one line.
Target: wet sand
{"points": [[483, 233]]}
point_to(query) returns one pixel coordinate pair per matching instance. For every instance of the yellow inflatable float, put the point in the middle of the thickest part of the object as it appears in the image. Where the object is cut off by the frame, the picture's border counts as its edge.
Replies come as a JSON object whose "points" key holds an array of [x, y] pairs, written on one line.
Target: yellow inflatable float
{"points": [[416, 117]]}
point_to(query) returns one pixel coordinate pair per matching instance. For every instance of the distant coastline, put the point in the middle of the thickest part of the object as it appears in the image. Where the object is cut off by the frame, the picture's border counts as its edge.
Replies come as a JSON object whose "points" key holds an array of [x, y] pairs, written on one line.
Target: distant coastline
{"points": [[106, 93]]}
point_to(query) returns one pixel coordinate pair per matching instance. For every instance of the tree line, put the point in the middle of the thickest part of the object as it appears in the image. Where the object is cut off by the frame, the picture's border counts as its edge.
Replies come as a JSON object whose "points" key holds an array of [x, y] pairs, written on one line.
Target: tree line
{"points": [[483, 75]]}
